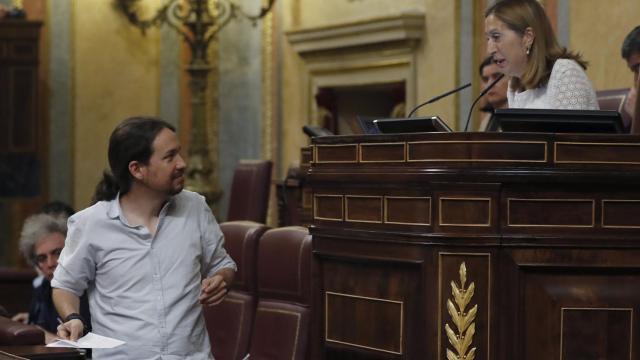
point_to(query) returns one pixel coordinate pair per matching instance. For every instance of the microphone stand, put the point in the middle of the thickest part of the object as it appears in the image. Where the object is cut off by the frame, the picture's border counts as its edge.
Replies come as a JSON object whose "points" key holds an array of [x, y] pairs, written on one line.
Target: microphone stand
{"points": [[436, 98], [482, 93]]}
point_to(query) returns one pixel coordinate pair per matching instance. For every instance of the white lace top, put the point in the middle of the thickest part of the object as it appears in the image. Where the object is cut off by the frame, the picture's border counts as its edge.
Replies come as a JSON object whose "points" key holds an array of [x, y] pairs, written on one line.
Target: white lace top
{"points": [[568, 88]]}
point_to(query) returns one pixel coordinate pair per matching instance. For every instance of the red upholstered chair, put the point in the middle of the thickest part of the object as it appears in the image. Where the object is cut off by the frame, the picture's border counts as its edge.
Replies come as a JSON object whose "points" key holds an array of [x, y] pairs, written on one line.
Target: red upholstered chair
{"points": [[281, 329], [16, 289], [249, 197], [15, 333], [614, 100], [229, 323]]}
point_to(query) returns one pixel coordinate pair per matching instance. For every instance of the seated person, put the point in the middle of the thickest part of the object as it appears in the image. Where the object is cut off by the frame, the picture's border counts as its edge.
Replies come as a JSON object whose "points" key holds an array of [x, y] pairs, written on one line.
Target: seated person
{"points": [[496, 98], [543, 74], [41, 242], [631, 53]]}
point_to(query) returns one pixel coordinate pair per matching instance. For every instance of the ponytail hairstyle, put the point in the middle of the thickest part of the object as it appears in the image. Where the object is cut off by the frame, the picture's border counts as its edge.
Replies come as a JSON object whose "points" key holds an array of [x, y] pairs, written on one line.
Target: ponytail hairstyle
{"points": [[131, 140]]}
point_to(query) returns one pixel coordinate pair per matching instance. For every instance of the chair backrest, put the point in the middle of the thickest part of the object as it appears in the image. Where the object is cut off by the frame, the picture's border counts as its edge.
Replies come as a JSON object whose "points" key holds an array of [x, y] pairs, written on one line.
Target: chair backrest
{"points": [[16, 289], [15, 333], [282, 320], [614, 99], [229, 323], [249, 197]]}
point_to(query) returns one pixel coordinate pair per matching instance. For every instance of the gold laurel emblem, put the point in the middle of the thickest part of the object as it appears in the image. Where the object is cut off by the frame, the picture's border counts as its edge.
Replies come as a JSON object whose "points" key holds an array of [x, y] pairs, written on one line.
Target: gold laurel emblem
{"points": [[463, 320]]}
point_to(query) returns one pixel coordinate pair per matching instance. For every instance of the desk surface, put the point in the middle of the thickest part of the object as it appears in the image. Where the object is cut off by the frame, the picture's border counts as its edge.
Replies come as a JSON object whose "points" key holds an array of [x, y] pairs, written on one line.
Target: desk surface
{"points": [[39, 352]]}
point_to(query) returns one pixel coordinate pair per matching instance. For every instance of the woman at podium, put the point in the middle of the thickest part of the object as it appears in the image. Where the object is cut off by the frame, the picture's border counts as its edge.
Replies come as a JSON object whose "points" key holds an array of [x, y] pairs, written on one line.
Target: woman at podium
{"points": [[543, 74]]}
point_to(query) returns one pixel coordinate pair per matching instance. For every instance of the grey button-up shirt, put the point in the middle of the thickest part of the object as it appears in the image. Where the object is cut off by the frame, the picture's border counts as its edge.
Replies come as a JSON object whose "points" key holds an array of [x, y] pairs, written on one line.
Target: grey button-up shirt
{"points": [[144, 289]]}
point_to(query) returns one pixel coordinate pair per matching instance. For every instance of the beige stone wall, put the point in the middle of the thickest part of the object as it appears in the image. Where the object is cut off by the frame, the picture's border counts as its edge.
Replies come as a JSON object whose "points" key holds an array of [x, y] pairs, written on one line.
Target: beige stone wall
{"points": [[597, 31], [114, 66], [436, 57], [314, 13]]}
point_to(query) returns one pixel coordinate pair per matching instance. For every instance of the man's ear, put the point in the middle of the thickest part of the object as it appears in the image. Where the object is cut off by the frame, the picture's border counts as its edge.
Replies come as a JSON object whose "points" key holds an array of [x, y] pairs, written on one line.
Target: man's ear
{"points": [[136, 169], [528, 36]]}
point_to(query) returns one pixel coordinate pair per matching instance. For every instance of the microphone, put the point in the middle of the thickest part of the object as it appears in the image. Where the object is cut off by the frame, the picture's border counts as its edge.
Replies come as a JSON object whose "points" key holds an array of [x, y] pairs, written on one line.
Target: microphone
{"points": [[482, 93], [434, 99]]}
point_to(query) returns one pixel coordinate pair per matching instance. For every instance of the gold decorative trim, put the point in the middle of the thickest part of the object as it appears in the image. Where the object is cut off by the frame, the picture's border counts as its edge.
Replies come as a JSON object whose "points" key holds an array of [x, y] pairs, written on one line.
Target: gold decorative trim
{"points": [[593, 213], [555, 153], [326, 321], [404, 151], [315, 207], [286, 312], [318, 147], [440, 288], [478, 142], [464, 321], [441, 223], [386, 210], [616, 226], [347, 218], [562, 309]]}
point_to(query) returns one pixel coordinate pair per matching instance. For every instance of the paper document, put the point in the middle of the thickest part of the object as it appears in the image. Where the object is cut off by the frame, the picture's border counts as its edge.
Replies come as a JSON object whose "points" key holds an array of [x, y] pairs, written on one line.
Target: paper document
{"points": [[89, 341]]}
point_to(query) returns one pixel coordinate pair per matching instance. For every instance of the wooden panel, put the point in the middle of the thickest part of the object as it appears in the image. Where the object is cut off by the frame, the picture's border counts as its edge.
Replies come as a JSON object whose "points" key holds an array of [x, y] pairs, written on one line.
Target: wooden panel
{"points": [[578, 303], [464, 291], [363, 209], [465, 211], [621, 213], [369, 305], [328, 207], [23, 50], [597, 153], [550, 212], [22, 118], [336, 153], [407, 210], [383, 152], [384, 334], [306, 155], [592, 333], [483, 151]]}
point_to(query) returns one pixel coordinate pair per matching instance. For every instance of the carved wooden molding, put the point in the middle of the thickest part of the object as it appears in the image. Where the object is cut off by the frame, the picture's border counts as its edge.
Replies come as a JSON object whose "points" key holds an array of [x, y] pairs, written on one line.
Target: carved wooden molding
{"points": [[403, 28]]}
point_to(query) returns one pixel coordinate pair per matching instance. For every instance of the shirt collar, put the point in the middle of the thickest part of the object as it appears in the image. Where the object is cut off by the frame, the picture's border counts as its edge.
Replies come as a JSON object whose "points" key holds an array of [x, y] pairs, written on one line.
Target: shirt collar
{"points": [[114, 211]]}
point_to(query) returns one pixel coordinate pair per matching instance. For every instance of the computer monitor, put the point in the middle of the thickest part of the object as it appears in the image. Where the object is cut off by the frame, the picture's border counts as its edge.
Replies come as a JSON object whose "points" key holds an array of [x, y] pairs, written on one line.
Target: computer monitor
{"points": [[411, 125], [556, 121]]}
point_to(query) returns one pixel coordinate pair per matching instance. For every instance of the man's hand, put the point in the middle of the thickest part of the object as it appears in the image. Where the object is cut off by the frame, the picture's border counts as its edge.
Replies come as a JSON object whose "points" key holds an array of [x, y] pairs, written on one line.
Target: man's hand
{"points": [[71, 330], [22, 317], [214, 289]]}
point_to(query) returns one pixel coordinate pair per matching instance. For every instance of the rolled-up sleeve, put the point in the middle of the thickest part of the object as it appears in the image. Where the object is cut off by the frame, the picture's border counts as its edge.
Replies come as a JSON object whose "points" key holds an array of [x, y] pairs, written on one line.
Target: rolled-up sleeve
{"points": [[76, 265], [215, 257]]}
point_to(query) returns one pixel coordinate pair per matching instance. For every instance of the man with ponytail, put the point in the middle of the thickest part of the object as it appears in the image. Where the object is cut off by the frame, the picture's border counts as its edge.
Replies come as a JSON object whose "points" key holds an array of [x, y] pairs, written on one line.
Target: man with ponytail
{"points": [[149, 253]]}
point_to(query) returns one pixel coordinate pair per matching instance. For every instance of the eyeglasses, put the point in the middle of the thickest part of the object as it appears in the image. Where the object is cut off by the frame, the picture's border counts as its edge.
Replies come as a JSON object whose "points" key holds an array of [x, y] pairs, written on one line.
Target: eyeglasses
{"points": [[41, 258]]}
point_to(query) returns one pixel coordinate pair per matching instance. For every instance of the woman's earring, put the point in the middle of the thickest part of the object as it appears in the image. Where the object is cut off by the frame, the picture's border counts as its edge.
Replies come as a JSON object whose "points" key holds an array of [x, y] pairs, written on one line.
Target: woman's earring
{"points": [[528, 50]]}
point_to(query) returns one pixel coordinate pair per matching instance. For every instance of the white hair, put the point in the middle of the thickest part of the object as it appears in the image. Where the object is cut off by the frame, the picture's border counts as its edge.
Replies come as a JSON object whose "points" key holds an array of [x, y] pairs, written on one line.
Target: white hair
{"points": [[35, 227]]}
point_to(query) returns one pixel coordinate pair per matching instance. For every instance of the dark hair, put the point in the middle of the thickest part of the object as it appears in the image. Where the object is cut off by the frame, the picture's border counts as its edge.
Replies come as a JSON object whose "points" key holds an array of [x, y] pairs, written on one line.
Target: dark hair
{"points": [[57, 208], [131, 140], [486, 62], [518, 15], [631, 43]]}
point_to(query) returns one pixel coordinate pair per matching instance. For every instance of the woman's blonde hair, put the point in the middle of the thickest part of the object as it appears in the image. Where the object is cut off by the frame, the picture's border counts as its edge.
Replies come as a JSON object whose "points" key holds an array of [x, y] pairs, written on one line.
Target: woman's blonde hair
{"points": [[518, 15]]}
